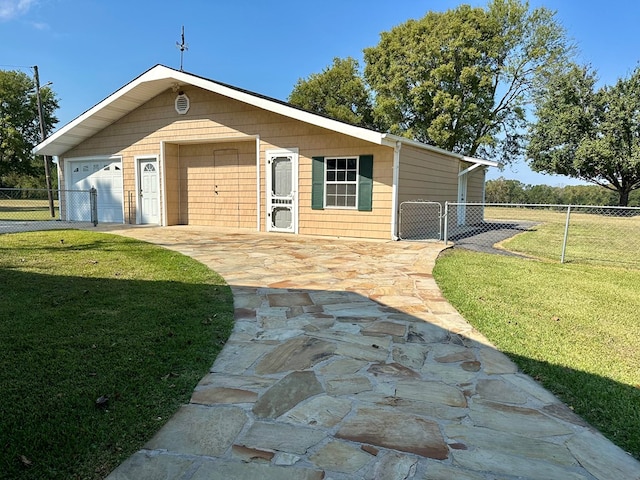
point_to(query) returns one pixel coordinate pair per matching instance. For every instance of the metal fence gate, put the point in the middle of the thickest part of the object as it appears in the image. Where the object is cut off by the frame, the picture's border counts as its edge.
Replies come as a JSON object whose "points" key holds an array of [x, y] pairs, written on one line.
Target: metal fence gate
{"points": [[420, 220]]}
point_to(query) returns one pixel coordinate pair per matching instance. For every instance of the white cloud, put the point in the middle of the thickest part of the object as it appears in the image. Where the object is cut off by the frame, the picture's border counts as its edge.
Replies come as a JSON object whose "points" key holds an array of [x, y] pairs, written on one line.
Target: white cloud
{"points": [[12, 8], [40, 26]]}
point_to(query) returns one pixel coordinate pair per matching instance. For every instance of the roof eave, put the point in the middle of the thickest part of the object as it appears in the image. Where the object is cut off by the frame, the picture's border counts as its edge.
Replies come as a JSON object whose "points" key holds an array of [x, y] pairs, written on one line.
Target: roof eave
{"points": [[55, 146], [391, 140], [121, 102]]}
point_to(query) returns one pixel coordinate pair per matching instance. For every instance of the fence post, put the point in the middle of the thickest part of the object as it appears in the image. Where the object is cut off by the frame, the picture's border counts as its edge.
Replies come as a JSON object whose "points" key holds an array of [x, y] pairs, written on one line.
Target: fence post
{"points": [[93, 196], [446, 223], [566, 234]]}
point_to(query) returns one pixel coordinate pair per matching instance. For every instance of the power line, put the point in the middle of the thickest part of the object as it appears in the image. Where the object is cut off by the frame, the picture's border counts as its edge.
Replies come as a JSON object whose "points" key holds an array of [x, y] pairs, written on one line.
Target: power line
{"points": [[17, 66]]}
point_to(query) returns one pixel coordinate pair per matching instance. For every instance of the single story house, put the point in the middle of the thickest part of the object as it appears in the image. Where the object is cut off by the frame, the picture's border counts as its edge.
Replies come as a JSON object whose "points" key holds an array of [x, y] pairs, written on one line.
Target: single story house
{"points": [[173, 148]]}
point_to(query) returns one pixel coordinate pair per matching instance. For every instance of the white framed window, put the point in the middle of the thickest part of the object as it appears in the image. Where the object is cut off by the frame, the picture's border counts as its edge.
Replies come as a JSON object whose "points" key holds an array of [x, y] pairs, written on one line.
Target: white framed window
{"points": [[341, 182], [344, 182]]}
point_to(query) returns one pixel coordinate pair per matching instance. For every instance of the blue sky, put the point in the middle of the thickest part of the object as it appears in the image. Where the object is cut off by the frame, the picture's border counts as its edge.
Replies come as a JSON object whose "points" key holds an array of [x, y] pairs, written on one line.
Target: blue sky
{"points": [[90, 48]]}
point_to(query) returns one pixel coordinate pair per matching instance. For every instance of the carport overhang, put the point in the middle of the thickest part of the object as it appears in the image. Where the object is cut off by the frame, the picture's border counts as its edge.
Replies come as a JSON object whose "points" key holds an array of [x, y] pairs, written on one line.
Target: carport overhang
{"points": [[475, 163]]}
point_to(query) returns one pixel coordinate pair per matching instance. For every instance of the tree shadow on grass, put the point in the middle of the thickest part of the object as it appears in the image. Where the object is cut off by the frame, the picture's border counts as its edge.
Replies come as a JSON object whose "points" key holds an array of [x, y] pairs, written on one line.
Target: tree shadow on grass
{"points": [[65, 341], [610, 406]]}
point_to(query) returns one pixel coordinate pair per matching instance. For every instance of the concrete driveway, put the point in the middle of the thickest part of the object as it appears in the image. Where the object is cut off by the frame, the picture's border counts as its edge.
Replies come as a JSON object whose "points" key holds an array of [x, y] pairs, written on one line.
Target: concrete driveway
{"points": [[347, 363]]}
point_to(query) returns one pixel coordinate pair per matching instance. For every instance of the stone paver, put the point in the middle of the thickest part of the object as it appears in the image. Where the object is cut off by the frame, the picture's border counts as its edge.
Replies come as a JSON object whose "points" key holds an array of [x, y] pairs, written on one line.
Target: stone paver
{"points": [[347, 363]]}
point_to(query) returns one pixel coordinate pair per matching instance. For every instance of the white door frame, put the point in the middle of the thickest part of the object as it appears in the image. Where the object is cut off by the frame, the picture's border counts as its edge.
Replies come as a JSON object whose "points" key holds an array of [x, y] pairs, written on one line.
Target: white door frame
{"points": [[462, 196], [138, 190], [293, 154]]}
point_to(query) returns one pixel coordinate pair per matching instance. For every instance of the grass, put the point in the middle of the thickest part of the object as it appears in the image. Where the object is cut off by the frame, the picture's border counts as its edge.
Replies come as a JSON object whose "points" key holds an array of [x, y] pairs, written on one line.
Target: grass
{"points": [[26, 210], [85, 315], [594, 239], [573, 327]]}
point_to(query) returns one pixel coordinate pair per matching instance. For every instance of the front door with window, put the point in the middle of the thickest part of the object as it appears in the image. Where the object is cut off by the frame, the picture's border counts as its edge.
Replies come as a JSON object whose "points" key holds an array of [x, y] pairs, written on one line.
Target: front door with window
{"points": [[282, 183], [149, 199]]}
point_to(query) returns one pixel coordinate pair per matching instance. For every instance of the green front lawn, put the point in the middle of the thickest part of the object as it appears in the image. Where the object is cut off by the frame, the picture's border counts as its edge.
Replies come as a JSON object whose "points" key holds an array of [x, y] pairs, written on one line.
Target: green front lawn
{"points": [[85, 315], [572, 327]]}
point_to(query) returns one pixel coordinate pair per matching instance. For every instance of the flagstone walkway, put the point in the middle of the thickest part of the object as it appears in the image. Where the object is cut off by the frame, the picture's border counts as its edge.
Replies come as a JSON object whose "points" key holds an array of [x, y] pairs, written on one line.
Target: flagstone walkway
{"points": [[347, 363]]}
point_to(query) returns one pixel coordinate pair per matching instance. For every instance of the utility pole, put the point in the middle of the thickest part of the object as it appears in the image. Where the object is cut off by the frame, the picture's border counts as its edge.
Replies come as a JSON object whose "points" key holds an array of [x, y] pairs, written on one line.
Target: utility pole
{"points": [[47, 170]]}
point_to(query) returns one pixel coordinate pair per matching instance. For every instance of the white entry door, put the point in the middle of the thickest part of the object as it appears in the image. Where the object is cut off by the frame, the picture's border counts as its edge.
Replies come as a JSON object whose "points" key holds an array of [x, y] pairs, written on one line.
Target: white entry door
{"points": [[282, 186], [149, 198]]}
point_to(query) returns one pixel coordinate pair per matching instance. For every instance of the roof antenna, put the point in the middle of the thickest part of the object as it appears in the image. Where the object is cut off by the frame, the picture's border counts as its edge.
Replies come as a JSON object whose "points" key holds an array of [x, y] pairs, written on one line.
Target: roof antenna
{"points": [[182, 46]]}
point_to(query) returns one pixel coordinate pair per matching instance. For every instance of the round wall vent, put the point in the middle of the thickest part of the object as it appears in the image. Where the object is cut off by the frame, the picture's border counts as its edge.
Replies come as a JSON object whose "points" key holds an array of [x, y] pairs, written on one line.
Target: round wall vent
{"points": [[182, 103]]}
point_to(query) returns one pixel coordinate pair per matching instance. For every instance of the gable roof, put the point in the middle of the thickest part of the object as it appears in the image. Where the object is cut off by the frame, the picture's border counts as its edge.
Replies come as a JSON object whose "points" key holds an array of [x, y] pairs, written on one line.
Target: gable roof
{"points": [[160, 78]]}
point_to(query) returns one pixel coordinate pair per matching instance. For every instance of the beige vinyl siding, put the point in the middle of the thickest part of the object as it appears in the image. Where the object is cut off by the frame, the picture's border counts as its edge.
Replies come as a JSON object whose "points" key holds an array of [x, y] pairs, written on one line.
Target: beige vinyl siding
{"points": [[212, 122], [475, 185], [172, 182], [217, 184], [426, 175]]}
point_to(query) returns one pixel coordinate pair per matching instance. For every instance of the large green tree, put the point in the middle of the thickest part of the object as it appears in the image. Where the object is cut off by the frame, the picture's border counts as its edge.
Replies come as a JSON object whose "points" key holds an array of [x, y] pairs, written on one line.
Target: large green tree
{"points": [[19, 123], [339, 92], [459, 79], [589, 133]]}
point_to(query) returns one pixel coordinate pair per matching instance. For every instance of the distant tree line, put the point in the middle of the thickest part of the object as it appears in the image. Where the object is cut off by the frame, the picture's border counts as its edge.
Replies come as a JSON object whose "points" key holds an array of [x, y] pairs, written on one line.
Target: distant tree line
{"points": [[514, 191]]}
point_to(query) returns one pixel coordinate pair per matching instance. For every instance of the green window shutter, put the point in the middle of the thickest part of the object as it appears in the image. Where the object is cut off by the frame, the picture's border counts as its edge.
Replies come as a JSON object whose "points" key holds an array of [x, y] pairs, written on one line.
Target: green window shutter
{"points": [[317, 183], [365, 183]]}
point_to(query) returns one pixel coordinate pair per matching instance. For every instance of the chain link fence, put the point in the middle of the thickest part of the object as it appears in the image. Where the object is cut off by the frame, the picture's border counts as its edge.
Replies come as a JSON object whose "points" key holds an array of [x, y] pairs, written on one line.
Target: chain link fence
{"points": [[565, 233], [420, 220], [41, 209]]}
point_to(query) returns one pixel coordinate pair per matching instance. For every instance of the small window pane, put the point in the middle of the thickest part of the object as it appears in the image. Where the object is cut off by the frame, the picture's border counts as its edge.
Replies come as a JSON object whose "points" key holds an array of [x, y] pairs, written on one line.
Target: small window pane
{"points": [[342, 164], [351, 176], [351, 201], [341, 176], [331, 189], [331, 176], [331, 164], [331, 201], [281, 217], [351, 189], [351, 163]]}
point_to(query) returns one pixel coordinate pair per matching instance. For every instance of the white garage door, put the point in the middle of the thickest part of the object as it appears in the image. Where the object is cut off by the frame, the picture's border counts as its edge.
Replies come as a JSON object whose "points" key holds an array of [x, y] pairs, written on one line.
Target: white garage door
{"points": [[106, 177]]}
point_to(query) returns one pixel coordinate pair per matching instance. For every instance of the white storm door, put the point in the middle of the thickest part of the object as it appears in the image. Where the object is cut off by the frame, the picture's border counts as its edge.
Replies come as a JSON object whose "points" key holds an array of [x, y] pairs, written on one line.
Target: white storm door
{"points": [[282, 185], [149, 198]]}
